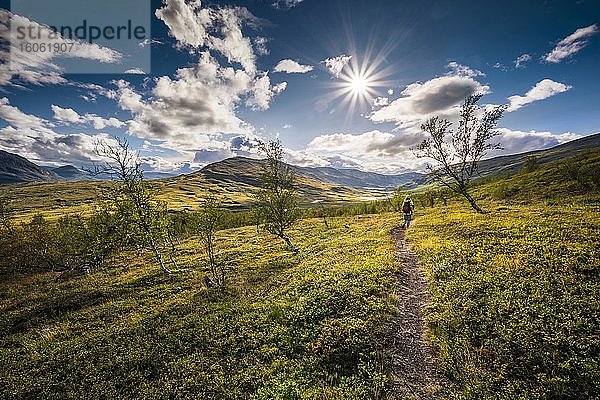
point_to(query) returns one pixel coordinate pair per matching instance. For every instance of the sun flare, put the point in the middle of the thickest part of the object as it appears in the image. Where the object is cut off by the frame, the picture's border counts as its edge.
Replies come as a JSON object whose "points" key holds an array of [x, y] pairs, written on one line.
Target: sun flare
{"points": [[360, 82], [359, 85]]}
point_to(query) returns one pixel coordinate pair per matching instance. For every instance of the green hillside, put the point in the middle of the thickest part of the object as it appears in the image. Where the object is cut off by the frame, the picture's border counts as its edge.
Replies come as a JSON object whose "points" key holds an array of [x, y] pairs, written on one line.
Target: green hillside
{"points": [[513, 310], [233, 181], [514, 292], [286, 327]]}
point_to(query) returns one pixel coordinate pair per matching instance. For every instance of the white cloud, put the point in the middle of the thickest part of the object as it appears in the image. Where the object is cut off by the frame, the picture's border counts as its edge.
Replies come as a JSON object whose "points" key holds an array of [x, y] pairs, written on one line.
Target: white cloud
{"points": [[500, 66], [457, 69], [70, 116], [194, 26], [440, 96], [335, 65], [292, 67], [522, 59], [572, 44], [515, 141], [263, 92], [390, 92], [542, 90], [39, 68], [381, 101], [260, 43], [374, 150], [135, 71], [196, 106], [32, 137]]}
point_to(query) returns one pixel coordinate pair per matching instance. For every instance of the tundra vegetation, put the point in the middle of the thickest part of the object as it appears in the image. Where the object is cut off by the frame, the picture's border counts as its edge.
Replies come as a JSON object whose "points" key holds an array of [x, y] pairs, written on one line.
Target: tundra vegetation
{"points": [[512, 314]]}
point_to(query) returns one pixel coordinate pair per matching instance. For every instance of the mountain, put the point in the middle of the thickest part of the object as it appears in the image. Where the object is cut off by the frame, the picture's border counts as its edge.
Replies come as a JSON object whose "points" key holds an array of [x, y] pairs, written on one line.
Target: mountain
{"points": [[361, 179], [247, 170], [513, 163], [17, 169], [71, 173]]}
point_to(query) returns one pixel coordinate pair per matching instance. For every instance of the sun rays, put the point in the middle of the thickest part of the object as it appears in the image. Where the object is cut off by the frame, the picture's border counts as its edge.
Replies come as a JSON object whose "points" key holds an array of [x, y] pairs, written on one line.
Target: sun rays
{"points": [[359, 83]]}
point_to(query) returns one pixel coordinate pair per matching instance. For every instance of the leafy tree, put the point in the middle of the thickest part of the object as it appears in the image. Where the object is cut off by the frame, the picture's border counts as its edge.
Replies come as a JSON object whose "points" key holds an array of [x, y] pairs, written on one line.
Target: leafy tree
{"points": [[397, 199], [134, 201], [277, 200], [210, 220], [459, 159]]}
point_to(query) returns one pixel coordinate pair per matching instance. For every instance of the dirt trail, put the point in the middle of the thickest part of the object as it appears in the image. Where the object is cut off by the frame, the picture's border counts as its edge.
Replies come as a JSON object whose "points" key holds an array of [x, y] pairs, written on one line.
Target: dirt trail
{"points": [[413, 364]]}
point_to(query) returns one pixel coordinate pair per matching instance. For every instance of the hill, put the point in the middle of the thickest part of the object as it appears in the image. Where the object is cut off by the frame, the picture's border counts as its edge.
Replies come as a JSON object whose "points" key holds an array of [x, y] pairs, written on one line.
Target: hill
{"points": [[246, 170], [512, 312], [15, 169], [71, 173], [514, 163]]}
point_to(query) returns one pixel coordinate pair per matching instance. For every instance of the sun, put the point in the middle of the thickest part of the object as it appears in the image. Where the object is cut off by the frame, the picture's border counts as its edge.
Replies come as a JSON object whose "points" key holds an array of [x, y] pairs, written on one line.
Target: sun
{"points": [[359, 83]]}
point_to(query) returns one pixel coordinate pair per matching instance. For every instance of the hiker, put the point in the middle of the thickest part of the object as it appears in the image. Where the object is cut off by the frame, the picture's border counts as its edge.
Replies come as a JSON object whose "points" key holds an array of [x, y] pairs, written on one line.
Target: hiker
{"points": [[407, 209]]}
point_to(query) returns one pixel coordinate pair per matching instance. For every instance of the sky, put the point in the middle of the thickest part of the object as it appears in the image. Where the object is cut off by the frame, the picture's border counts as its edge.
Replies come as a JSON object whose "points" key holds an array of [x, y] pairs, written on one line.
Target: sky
{"points": [[341, 83]]}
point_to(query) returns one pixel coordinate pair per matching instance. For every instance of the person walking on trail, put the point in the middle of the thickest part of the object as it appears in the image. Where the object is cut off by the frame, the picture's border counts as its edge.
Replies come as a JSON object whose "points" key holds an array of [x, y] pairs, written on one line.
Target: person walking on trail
{"points": [[407, 209]]}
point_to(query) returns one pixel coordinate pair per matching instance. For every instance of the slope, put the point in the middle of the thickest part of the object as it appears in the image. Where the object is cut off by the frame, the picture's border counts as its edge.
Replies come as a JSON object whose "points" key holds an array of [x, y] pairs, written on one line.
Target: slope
{"points": [[14, 169]]}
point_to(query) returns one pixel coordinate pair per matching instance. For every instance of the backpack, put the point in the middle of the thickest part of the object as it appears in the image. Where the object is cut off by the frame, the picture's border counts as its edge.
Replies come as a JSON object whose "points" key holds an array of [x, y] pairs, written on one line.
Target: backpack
{"points": [[406, 208]]}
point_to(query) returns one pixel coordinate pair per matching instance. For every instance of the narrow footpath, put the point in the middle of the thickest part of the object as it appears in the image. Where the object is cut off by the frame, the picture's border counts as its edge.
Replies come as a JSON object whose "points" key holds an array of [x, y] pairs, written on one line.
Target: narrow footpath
{"points": [[414, 369]]}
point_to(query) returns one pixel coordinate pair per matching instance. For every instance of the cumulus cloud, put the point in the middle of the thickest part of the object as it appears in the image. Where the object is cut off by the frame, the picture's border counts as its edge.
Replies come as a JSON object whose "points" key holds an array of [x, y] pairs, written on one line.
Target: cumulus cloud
{"points": [[70, 116], [292, 67], [515, 141], [194, 27], [374, 150], [542, 90], [198, 104], [381, 101], [335, 65], [260, 43], [33, 137], [572, 44], [263, 92], [522, 59], [135, 71], [457, 69], [440, 96], [40, 68]]}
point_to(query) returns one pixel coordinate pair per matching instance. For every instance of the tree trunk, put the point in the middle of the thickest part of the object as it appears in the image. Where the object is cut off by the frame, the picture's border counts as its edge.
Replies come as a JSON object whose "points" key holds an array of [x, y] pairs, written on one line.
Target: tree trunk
{"points": [[158, 257], [325, 216], [471, 201], [289, 243]]}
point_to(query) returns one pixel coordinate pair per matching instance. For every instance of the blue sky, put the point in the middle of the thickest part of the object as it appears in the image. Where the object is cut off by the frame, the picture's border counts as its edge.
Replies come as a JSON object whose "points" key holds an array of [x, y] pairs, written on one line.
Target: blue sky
{"points": [[340, 83]]}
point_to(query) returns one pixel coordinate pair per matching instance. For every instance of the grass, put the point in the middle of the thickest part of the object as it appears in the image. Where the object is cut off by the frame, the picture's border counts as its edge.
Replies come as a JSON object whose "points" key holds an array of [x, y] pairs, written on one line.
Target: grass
{"points": [[186, 192], [514, 310], [294, 327]]}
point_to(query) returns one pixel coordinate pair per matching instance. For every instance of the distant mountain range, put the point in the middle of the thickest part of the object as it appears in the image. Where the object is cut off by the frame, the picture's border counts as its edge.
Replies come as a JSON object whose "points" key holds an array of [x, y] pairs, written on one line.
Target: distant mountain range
{"points": [[247, 170], [17, 169]]}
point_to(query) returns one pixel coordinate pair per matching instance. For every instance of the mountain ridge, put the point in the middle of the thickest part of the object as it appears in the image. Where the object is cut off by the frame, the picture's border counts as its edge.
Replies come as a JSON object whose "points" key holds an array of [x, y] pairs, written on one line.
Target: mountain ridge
{"points": [[17, 169]]}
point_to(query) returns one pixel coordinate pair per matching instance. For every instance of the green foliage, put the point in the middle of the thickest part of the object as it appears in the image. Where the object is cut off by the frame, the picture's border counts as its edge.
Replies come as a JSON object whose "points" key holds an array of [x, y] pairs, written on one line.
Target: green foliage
{"points": [[531, 164], [513, 295], [283, 327], [277, 200], [209, 221], [458, 159], [505, 191]]}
